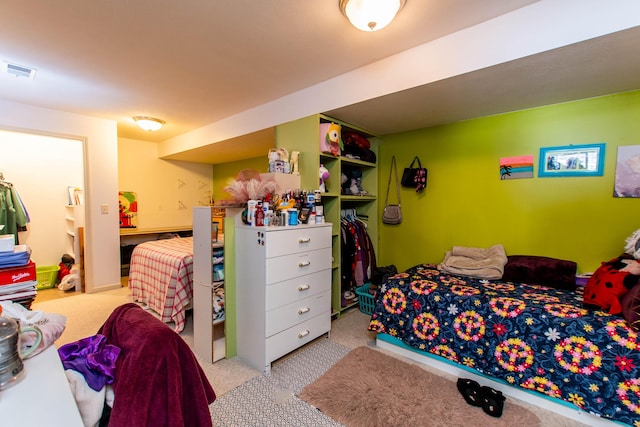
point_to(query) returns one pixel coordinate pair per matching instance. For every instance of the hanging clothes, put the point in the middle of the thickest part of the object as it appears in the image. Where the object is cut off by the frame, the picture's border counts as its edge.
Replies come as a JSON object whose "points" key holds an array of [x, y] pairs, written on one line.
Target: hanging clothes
{"points": [[13, 214], [358, 258]]}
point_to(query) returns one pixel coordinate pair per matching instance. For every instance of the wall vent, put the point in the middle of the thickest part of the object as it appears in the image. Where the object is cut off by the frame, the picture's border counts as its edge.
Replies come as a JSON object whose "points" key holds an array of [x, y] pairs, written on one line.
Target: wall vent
{"points": [[19, 70]]}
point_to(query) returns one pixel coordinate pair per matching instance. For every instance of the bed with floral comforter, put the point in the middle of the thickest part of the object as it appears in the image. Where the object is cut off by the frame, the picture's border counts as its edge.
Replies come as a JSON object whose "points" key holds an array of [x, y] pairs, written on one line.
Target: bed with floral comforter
{"points": [[529, 336]]}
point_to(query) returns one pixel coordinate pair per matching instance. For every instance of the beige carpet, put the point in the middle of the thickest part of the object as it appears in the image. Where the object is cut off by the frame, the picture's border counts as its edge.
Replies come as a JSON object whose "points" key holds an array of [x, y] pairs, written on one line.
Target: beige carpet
{"points": [[368, 388], [87, 312]]}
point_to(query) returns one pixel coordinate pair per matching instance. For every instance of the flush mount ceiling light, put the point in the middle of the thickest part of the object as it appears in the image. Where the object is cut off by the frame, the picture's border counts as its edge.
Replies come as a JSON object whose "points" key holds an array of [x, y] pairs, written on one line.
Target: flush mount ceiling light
{"points": [[148, 123], [370, 15]]}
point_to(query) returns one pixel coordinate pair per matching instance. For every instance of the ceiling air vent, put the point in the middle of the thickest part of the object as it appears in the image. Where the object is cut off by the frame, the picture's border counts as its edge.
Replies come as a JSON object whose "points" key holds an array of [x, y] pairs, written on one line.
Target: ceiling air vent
{"points": [[20, 70]]}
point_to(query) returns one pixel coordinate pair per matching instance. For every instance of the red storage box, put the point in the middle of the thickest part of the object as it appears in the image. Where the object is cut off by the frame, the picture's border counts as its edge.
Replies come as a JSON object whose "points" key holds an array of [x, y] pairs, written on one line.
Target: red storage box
{"points": [[11, 275]]}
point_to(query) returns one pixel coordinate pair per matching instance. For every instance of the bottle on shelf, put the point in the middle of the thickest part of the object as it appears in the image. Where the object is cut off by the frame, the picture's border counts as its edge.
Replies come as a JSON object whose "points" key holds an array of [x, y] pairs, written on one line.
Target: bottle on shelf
{"points": [[259, 215]]}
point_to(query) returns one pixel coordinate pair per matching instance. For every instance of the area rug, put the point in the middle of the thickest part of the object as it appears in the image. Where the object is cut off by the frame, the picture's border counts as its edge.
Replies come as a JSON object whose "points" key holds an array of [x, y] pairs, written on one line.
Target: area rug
{"points": [[368, 388]]}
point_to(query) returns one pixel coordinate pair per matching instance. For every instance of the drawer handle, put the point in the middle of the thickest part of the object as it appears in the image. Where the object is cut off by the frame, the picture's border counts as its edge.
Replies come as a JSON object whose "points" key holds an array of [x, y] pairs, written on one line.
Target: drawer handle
{"points": [[304, 310], [304, 263], [303, 287], [303, 334], [304, 240]]}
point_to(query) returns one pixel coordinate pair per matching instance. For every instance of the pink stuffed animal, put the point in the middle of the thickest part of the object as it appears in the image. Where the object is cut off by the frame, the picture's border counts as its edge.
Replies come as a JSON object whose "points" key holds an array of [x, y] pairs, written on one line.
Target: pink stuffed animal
{"points": [[324, 176]]}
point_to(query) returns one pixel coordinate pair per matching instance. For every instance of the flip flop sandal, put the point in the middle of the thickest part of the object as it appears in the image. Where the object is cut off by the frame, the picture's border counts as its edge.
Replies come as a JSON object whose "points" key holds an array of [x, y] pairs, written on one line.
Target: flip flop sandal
{"points": [[470, 390], [492, 401]]}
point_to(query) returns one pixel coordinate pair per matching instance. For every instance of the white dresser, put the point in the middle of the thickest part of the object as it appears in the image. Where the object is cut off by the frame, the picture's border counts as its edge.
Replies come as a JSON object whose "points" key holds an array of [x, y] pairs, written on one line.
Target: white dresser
{"points": [[42, 398], [283, 290]]}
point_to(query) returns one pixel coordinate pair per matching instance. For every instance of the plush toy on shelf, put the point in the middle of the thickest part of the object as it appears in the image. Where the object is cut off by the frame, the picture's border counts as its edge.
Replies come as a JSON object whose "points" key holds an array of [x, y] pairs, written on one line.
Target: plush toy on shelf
{"points": [[324, 176], [295, 156], [351, 180]]}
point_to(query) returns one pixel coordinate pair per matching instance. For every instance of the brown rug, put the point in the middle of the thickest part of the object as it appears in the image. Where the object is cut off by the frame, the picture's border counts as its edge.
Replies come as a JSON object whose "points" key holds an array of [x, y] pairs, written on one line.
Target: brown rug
{"points": [[368, 388]]}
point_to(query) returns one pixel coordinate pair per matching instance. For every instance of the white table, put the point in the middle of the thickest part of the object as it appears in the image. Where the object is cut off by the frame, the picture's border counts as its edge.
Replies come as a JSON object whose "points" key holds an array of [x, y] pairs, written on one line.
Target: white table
{"points": [[42, 397]]}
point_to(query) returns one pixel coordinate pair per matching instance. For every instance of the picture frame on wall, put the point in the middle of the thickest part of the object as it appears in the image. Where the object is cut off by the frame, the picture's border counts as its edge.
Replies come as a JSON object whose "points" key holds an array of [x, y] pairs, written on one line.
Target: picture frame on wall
{"points": [[572, 160]]}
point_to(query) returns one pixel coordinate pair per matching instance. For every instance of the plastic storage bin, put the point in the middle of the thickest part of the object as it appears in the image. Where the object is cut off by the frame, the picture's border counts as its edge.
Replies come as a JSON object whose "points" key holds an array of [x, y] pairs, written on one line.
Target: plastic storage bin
{"points": [[365, 299], [47, 276]]}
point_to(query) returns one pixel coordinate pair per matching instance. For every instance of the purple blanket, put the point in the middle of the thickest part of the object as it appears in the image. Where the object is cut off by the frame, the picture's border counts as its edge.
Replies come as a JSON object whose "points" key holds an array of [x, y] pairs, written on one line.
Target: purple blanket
{"points": [[158, 380]]}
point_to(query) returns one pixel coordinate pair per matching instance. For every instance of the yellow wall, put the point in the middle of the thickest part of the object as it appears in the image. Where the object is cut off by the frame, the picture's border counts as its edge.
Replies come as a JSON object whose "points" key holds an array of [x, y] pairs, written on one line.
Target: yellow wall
{"points": [[466, 203], [167, 190]]}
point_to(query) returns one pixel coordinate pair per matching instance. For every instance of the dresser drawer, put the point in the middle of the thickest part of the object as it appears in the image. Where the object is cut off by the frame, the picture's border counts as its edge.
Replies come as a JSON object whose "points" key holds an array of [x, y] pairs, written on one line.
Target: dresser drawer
{"points": [[295, 265], [297, 239], [297, 312], [292, 338], [297, 289]]}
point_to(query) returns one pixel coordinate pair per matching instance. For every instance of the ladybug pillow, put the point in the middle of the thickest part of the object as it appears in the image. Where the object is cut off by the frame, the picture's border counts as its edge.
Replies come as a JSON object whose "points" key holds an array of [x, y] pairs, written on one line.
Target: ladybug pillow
{"points": [[610, 282]]}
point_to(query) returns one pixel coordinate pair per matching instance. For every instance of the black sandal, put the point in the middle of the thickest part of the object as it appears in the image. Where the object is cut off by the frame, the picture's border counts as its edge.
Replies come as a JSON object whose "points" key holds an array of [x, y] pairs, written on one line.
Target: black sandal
{"points": [[470, 390], [492, 401]]}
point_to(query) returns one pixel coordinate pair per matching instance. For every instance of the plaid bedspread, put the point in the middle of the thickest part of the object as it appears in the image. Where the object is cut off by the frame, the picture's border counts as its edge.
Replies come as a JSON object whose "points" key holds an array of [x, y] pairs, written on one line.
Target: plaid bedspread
{"points": [[161, 277]]}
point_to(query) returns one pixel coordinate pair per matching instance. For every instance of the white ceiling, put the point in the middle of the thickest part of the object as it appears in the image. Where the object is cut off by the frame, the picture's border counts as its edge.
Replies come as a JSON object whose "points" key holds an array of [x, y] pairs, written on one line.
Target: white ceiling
{"points": [[196, 62]]}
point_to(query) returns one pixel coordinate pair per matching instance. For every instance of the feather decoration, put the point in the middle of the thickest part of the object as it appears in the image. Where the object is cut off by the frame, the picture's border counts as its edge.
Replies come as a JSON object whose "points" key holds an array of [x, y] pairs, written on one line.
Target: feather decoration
{"points": [[253, 189]]}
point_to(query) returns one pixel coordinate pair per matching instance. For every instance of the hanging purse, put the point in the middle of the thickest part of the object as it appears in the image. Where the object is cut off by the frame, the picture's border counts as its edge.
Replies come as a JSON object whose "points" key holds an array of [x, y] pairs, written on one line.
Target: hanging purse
{"points": [[392, 214], [415, 177]]}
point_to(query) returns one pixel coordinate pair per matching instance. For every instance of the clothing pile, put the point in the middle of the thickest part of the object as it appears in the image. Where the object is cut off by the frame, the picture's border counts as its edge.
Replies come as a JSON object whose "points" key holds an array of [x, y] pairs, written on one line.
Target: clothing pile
{"points": [[146, 373], [480, 263]]}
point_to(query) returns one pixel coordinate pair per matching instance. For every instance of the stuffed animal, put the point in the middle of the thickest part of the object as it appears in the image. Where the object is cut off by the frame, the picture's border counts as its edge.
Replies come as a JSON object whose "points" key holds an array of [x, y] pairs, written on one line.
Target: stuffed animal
{"points": [[351, 180], [610, 282], [334, 139], [324, 176], [295, 155], [69, 282]]}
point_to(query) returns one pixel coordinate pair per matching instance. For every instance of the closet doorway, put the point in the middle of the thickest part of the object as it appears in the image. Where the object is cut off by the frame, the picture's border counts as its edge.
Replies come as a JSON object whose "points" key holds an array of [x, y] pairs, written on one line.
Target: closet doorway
{"points": [[41, 168]]}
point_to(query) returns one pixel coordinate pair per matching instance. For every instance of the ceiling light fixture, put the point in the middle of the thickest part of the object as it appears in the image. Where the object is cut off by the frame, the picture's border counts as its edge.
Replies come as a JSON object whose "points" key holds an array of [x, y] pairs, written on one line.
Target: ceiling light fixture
{"points": [[371, 15], [148, 123]]}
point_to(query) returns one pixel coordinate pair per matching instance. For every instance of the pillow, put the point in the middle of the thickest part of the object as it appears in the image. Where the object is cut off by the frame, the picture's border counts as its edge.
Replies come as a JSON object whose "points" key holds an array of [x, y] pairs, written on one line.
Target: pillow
{"points": [[631, 307], [610, 282], [539, 270]]}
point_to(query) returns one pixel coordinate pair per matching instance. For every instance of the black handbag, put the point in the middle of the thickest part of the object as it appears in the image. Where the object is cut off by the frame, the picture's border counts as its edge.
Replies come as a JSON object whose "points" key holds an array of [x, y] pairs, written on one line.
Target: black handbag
{"points": [[392, 214], [414, 177]]}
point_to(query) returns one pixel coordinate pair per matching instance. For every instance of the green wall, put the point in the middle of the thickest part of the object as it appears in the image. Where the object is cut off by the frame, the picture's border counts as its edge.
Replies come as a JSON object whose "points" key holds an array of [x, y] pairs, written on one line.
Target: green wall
{"points": [[224, 172], [466, 204]]}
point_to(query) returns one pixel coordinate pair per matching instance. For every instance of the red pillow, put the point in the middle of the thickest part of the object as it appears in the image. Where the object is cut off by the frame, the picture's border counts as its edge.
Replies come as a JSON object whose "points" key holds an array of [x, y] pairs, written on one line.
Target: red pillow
{"points": [[609, 284]]}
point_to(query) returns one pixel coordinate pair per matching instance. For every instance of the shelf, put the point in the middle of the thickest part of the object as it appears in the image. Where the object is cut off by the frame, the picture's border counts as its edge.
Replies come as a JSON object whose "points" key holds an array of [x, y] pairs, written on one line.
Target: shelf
{"points": [[364, 198], [357, 162], [329, 195], [209, 333], [303, 135], [219, 349], [157, 230], [347, 160]]}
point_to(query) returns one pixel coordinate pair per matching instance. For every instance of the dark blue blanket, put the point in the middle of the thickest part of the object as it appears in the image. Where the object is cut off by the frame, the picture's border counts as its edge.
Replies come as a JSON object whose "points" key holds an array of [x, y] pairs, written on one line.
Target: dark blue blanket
{"points": [[529, 336]]}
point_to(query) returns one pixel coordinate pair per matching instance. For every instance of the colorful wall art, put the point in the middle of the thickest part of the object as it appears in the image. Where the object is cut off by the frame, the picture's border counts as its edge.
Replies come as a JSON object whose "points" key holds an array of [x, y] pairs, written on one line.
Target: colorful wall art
{"points": [[516, 167]]}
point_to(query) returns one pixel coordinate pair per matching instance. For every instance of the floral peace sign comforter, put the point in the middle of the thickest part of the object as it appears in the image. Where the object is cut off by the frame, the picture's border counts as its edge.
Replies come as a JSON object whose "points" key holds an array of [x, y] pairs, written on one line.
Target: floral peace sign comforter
{"points": [[537, 338]]}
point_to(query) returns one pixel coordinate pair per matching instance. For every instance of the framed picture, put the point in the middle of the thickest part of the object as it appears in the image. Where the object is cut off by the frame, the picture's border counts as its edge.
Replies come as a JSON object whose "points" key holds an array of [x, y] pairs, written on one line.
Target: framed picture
{"points": [[572, 160]]}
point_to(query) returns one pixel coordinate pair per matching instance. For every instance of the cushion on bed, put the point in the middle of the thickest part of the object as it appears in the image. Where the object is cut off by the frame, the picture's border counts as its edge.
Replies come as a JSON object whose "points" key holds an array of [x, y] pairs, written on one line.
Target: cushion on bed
{"points": [[539, 270], [610, 282]]}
